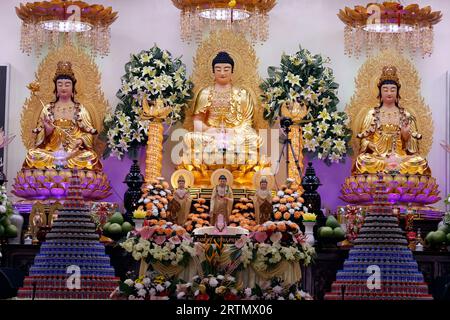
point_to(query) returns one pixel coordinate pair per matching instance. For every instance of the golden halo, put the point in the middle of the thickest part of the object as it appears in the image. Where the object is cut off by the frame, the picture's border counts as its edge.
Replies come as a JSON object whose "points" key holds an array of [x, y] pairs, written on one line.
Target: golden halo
{"points": [[188, 176], [216, 174], [257, 179]]}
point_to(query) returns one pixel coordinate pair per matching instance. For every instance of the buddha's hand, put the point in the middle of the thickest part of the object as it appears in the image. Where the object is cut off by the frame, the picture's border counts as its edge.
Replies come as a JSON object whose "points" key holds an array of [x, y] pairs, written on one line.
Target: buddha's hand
{"points": [[78, 144], [405, 131], [372, 147]]}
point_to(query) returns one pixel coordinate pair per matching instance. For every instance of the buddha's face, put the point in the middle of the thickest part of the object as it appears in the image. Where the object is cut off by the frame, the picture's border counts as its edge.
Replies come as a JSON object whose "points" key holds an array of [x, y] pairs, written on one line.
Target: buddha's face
{"points": [[181, 184], [64, 88], [223, 73], [389, 93], [223, 182], [263, 185]]}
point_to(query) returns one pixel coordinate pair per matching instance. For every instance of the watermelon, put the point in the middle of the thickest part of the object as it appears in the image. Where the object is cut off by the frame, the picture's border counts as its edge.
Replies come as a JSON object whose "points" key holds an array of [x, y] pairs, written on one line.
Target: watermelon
{"points": [[116, 218], [339, 234], [332, 222], [326, 232]]}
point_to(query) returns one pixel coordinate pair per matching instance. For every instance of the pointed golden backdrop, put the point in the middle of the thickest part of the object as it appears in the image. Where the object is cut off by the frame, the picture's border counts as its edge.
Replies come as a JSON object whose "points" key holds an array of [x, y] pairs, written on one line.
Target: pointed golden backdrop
{"points": [[366, 93], [245, 70], [88, 89]]}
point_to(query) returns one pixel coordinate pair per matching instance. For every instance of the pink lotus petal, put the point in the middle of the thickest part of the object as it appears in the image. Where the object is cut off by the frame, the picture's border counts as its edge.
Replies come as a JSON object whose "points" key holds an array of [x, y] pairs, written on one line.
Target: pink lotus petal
{"points": [[240, 243], [260, 236], [175, 240]]}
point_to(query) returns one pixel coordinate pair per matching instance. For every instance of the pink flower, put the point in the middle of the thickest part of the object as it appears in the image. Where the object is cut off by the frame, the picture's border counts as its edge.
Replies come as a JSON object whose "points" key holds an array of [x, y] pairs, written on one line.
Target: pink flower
{"points": [[276, 237], [147, 232], [241, 242], [175, 240], [260, 236], [159, 240]]}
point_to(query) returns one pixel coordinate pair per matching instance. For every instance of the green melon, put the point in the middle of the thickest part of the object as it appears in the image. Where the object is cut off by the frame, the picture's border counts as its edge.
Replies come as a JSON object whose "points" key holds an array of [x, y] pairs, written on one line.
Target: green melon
{"points": [[126, 227], [332, 222], [106, 227], [439, 237], [116, 218], [445, 228], [2, 230], [430, 237], [115, 229], [339, 233], [6, 222], [11, 231], [326, 232]]}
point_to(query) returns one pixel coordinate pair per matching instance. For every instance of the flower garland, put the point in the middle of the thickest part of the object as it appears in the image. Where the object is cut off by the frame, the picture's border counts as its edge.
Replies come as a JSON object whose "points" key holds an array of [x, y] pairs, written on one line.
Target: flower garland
{"points": [[304, 77], [163, 242], [155, 199], [152, 74]]}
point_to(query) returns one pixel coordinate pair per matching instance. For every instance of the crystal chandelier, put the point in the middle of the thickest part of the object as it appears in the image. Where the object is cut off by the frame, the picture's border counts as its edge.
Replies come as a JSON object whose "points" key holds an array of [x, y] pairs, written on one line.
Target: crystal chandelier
{"points": [[247, 16], [50, 24], [380, 26]]}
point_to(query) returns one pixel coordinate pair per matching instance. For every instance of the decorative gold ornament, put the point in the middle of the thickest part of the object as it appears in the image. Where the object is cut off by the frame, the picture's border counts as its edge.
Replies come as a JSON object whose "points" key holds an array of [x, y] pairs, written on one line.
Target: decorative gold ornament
{"points": [[187, 175], [389, 25], [247, 16], [219, 172], [86, 25], [366, 92], [156, 114], [89, 92]]}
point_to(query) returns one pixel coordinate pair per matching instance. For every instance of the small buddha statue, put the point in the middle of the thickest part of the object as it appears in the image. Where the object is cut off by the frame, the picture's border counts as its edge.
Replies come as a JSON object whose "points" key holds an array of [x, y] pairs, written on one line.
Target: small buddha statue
{"points": [[262, 201], [223, 118], [221, 201], [180, 205], [389, 136], [64, 133]]}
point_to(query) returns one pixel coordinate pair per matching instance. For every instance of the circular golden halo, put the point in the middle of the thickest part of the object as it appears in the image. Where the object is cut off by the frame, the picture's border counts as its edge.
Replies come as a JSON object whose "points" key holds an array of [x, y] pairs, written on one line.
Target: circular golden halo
{"points": [[216, 174], [188, 176], [257, 180]]}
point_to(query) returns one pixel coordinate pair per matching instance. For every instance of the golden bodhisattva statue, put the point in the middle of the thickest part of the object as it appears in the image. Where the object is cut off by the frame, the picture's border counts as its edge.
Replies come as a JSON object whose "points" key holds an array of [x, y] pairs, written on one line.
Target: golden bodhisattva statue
{"points": [[180, 205], [263, 202], [64, 133], [221, 201], [389, 136]]}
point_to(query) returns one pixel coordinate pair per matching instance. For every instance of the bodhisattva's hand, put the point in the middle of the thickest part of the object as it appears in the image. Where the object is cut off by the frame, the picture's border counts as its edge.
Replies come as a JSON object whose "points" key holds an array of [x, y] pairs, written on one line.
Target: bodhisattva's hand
{"points": [[48, 125], [406, 132], [78, 144], [372, 147]]}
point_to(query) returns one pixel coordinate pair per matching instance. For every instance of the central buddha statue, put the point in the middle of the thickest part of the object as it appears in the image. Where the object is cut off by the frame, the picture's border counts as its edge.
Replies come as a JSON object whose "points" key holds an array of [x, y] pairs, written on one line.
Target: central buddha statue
{"points": [[223, 133], [389, 136]]}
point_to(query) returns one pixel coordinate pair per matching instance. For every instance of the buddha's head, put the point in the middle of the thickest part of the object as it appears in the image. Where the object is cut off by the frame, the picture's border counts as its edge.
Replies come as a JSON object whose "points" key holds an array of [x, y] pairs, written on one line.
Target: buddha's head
{"points": [[223, 68], [181, 182], [263, 183], [389, 86], [64, 81], [222, 181]]}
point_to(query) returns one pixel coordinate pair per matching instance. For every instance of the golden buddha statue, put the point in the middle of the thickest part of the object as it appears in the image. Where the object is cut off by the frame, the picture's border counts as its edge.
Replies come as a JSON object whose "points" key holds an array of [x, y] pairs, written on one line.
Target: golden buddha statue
{"points": [[389, 137], [64, 133], [262, 201], [180, 205], [221, 201], [223, 134]]}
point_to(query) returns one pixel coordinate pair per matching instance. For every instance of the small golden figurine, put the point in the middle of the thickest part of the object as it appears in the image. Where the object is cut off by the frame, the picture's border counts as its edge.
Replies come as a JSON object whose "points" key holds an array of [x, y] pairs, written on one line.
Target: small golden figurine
{"points": [[263, 202], [221, 201]]}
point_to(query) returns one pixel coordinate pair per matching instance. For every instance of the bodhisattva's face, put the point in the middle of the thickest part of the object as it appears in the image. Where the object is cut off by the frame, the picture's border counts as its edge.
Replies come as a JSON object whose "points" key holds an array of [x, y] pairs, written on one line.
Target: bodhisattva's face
{"points": [[263, 185], [388, 93], [222, 182], [181, 184], [223, 73], [64, 88]]}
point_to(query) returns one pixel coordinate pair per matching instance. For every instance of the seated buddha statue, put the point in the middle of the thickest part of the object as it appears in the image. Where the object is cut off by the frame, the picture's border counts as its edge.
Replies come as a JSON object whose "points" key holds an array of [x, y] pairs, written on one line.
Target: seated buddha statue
{"points": [[64, 132], [389, 136], [223, 124]]}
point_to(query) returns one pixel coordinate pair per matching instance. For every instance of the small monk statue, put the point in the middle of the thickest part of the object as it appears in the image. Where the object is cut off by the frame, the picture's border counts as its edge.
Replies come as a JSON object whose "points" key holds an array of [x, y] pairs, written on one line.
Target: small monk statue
{"points": [[221, 201], [180, 205], [64, 133], [389, 136], [262, 201]]}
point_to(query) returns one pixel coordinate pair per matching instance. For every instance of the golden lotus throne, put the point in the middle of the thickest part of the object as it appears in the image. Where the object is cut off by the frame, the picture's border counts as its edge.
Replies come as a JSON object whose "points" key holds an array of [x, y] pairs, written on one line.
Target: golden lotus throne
{"points": [[42, 176], [405, 186], [245, 86]]}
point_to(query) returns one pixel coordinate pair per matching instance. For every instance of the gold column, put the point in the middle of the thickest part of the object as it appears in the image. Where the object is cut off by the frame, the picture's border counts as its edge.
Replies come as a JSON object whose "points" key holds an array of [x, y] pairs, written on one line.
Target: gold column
{"points": [[156, 113]]}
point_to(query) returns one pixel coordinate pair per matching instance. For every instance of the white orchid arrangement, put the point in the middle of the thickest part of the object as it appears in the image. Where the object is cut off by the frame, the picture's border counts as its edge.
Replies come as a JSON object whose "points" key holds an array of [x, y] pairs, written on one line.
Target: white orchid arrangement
{"points": [[276, 289], [151, 286], [303, 77], [152, 74]]}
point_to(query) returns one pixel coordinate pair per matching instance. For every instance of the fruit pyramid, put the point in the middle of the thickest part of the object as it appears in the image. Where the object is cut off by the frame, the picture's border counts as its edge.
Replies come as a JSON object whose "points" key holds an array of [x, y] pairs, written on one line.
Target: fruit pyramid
{"points": [[382, 243], [71, 242]]}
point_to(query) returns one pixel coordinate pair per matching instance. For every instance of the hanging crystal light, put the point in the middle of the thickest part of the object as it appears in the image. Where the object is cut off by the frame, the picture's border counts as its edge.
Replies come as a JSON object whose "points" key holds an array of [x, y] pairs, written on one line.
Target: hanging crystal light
{"points": [[250, 17], [379, 26], [49, 24]]}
